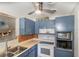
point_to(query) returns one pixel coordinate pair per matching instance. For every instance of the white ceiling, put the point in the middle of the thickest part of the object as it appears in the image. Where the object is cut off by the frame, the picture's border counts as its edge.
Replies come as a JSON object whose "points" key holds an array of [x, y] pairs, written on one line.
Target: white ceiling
{"points": [[19, 9]]}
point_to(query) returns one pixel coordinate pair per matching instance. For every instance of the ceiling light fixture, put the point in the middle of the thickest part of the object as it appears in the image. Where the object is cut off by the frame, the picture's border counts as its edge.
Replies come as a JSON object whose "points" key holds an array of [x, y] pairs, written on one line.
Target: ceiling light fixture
{"points": [[38, 12]]}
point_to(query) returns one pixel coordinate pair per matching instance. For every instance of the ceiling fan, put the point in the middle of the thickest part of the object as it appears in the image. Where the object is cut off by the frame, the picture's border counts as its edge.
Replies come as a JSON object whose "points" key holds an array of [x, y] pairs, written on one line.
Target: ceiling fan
{"points": [[39, 9]]}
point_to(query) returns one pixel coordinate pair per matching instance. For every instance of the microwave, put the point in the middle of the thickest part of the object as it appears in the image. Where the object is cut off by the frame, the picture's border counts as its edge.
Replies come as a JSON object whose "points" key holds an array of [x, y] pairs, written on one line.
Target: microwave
{"points": [[64, 44], [64, 35]]}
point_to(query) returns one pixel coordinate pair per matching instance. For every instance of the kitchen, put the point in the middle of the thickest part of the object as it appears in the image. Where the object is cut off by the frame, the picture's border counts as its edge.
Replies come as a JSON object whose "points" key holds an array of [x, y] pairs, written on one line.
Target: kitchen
{"points": [[39, 29]]}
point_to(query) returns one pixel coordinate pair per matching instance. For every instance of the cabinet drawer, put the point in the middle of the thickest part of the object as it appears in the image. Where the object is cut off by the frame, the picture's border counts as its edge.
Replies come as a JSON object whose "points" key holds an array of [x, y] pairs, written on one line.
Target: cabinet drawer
{"points": [[62, 53]]}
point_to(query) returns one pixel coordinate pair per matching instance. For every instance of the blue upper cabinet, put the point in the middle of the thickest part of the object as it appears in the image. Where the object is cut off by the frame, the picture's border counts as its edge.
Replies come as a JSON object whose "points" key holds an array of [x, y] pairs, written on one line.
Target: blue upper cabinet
{"points": [[65, 23], [47, 24], [32, 27], [27, 26], [37, 23], [22, 26], [51, 24], [41, 24]]}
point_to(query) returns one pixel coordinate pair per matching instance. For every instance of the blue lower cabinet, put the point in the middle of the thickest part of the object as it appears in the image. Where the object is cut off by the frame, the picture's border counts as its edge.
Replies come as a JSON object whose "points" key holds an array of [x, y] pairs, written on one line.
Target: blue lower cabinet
{"points": [[25, 54], [32, 52], [62, 53], [36, 51]]}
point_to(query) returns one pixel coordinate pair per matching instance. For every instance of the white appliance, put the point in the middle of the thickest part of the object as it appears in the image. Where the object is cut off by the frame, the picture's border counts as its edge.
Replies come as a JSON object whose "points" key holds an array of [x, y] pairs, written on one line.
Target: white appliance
{"points": [[46, 38], [45, 50], [46, 30]]}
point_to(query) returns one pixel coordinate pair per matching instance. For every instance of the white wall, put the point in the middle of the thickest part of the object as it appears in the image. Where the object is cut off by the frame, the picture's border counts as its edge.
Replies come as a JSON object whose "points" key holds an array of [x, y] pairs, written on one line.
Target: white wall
{"points": [[11, 23], [76, 35], [17, 27], [11, 38]]}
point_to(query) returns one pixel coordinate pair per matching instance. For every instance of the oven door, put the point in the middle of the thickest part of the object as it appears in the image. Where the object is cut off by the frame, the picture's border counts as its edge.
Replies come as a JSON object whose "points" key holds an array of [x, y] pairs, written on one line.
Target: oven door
{"points": [[45, 50]]}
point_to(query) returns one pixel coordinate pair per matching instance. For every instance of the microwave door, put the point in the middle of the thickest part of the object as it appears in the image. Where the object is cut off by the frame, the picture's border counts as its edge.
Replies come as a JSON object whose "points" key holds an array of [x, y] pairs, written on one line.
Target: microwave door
{"points": [[68, 36], [59, 35]]}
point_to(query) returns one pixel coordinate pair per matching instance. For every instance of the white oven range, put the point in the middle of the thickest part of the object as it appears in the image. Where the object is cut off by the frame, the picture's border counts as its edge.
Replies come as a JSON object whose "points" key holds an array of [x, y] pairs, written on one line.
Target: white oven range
{"points": [[45, 49], [47, 42]]}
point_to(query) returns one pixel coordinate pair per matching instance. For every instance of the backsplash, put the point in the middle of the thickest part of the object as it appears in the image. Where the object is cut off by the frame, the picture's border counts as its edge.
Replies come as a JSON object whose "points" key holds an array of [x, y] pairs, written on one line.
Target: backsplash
{"points": [[26, 37]]}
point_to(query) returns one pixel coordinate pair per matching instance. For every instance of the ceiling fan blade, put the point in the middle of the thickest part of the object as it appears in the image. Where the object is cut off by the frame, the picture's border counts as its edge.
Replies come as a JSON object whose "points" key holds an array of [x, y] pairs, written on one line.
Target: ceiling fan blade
{"points": [[31, 12], [49, 11]]}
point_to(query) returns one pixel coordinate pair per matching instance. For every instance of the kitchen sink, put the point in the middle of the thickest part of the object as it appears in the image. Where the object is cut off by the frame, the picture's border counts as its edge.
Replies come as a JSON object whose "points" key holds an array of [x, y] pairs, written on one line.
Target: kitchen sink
{"points": [[13, 51], [8, 55], [17, 49]]}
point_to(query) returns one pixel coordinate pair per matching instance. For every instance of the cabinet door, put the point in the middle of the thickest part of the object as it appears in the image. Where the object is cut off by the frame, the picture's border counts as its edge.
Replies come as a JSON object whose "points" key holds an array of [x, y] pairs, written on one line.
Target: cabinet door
{"points": [[30, 27], [49, 24], [62, 53], [36, 50], [52, 23], [25, 54], [27, 26], [37, 23], [33, 51], [65, 23], [22, 26], [44, 24]]}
